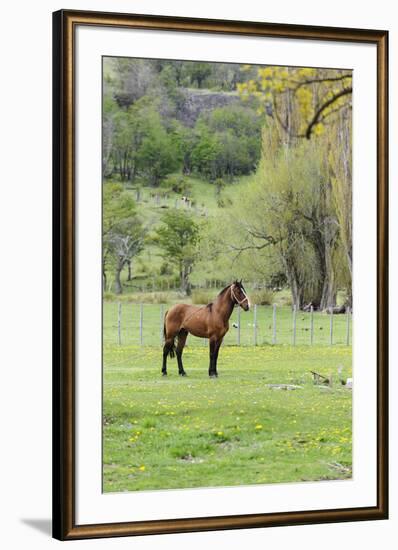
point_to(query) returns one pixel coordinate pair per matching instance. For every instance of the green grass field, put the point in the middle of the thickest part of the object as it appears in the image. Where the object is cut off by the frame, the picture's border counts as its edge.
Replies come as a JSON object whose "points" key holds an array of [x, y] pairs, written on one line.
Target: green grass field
{"points": [[173, 432]]}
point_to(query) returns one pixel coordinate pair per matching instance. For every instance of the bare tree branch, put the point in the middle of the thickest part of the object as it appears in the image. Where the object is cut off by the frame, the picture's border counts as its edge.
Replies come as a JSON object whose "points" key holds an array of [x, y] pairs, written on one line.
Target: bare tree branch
{"points": [[317, 118], [333, 99], [320, 80]]}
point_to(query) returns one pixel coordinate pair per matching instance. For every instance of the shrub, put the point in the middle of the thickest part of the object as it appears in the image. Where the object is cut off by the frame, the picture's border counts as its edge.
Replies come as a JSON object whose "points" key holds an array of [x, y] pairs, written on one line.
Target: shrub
{"points": [[202, 296], [151, 298], [284, 300], [178, 184], [138, 298], [222, 202], [166, 269], [262, 297]]}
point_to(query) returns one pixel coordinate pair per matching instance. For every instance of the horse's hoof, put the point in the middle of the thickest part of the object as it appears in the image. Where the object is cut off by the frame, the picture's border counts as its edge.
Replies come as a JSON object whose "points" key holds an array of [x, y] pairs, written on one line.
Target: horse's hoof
{"points": [[182, 373], [164, 373], [213, 375]]}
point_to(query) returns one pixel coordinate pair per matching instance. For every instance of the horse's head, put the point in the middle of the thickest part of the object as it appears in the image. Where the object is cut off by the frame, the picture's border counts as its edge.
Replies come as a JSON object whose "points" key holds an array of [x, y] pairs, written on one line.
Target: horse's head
{"points": [[239, 295]]}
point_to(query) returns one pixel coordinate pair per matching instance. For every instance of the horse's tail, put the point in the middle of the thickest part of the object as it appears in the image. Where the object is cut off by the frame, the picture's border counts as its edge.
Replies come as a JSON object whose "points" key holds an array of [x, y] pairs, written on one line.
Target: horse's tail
{"points": [[164, 324], [171, 350], [170, 346]]}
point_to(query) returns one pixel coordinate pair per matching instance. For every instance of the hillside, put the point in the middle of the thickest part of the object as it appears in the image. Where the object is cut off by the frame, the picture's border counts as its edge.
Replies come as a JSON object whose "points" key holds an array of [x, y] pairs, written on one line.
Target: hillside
{"points": [[202, 204], [197, 102]]}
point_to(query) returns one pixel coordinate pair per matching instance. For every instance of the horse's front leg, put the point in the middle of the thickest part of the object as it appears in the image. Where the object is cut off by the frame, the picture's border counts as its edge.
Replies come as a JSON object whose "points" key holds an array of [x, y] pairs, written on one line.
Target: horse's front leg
{"points": [[217, 349], [214, 348], [182, 338]]}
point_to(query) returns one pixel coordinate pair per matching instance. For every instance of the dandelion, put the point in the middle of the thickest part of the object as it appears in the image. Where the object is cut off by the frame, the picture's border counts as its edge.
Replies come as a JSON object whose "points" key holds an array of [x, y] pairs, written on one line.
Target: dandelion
{"points": [[142, 468], [259, 427]]}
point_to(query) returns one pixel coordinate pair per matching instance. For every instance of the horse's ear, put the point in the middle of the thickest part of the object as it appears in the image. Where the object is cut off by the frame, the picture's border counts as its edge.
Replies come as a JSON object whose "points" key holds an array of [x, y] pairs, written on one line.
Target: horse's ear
{"points": [[240, 282]]}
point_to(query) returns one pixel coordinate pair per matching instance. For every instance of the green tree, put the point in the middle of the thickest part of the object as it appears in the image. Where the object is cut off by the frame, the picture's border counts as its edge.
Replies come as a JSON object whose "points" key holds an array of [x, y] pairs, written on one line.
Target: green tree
{"points": [[287, 222], [197, 72], [178, 238], [129, 131], [158, 153], [123, 232], [206, 152], [110, 111], [141, 144], [185, 141], [228, 143]]}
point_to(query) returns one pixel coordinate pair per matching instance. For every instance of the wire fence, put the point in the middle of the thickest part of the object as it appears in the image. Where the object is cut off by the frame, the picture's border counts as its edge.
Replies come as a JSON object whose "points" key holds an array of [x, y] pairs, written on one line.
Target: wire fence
{"points": [[142, 324]]}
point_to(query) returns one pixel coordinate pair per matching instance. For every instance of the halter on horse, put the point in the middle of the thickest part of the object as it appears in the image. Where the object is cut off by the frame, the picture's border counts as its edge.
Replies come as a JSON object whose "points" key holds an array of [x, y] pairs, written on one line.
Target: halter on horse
{"points": [[210, 321]]}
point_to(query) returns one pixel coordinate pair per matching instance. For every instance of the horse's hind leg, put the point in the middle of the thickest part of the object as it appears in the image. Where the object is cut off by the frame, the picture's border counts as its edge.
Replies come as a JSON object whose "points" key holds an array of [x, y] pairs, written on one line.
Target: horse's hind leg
{"points": [[164, 364], [182, 338], [168, 349]]}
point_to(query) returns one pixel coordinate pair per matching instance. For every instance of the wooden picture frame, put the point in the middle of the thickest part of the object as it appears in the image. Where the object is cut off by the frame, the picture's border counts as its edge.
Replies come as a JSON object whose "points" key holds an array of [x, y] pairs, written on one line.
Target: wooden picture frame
{"points": [[65, 24]]}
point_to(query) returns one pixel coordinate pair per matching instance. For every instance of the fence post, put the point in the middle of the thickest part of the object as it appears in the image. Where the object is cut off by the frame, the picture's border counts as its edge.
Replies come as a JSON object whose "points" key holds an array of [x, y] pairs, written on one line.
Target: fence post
{"points": [[141, 323], [348, 327], [331, 326], [238, 333], [274, 324], [312, 326], [294, 324], [161, 323], [255, 324], [119, 321]]}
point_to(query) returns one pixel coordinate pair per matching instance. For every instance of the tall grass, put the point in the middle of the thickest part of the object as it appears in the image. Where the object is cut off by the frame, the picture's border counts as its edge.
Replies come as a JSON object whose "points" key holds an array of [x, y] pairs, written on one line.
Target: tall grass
{"points": [[203, 296], [262, 297], [139, 297]]}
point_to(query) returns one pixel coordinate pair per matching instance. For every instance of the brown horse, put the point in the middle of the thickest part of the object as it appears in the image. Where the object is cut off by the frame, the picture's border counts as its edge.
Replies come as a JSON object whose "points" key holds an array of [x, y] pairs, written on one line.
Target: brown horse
{"points": [[210, 321]]}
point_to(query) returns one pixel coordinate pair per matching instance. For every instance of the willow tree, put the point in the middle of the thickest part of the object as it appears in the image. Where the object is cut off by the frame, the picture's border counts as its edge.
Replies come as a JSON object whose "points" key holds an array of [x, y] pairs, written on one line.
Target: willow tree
{"points": [[303, 100], [314, 104], [286, 223], [340, 164]]}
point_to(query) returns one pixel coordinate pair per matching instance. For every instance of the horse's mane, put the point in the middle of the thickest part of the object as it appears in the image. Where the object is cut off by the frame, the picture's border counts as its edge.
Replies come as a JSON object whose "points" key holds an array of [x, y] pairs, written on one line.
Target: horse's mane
{"points": [[224, 290], [210, 304]]}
